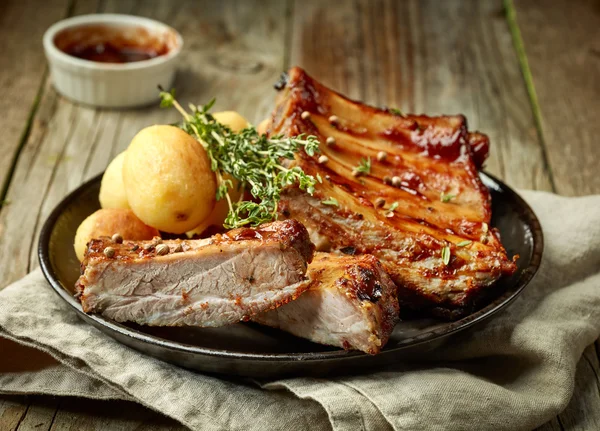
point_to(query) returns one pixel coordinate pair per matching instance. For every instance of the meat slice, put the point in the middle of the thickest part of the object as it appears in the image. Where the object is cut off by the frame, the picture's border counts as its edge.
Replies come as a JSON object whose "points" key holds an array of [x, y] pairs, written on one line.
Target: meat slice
{"points": [[211, 282], [351, 303], [419, 207]]}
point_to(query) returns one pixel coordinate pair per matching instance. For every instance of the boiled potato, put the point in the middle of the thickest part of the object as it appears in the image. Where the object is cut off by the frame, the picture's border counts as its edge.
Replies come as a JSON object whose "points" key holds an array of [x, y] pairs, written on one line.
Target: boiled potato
{"points": [[112, 190], [219, 212], [231, 119], [107, 222], [263, 126], [168, 179], [235, 122]]}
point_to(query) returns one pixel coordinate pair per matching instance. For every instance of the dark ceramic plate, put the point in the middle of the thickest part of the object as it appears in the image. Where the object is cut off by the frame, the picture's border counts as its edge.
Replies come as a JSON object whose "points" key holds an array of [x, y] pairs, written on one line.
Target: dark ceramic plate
{"points": [[252, 350]]}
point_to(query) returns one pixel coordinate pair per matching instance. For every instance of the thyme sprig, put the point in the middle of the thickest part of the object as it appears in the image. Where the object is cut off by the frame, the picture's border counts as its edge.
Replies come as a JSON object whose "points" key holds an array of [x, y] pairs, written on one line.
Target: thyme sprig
{"points": [[331, 201], [364, 166], [253, 160]]}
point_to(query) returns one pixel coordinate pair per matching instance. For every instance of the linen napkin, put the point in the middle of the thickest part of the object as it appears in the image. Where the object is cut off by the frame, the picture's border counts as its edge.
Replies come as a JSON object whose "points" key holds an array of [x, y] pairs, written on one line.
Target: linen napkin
{"points": [[515, 371]]}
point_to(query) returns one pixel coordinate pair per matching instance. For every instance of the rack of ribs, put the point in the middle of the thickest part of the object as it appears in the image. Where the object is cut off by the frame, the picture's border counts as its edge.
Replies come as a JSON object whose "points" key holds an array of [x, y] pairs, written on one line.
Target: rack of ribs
{"points": [[207, 283], [403, 188]]}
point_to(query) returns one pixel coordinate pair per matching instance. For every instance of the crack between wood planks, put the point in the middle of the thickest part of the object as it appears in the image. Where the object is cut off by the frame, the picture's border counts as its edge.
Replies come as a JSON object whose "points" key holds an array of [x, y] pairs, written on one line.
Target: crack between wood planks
{"points": [[361, 46], [288, 35], [55, 414], [28, 125], [493, 43], [22, 418], [511, 19]]}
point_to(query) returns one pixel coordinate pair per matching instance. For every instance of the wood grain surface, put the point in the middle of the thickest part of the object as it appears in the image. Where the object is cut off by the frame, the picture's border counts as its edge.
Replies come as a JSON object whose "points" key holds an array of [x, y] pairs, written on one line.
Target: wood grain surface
{"points": [[430, 56], [22, 72], [562, 43]]}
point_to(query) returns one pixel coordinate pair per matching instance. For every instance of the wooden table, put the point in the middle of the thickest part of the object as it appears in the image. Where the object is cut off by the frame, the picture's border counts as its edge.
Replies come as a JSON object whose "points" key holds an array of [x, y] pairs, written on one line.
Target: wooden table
{"points": [[525, 74]]}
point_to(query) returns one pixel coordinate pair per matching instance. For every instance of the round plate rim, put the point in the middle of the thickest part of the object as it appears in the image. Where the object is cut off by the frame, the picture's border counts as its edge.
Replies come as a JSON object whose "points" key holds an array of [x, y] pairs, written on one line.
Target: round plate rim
{"points": [[453, 327]]}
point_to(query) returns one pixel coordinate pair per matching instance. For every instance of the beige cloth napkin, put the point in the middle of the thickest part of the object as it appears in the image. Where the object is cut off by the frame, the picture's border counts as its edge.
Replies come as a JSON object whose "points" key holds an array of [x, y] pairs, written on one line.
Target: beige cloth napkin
{"points": [[514, 372]]}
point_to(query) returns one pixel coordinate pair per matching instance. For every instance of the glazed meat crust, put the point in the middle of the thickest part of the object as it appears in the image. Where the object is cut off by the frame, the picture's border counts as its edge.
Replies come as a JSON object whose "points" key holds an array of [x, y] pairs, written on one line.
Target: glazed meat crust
{"points": [[436, 244], [350, 303]]}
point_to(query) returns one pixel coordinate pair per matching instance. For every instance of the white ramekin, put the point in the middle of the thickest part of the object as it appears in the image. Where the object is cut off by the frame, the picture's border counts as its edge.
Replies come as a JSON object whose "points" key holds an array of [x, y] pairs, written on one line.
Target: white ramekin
{"points": [[111, 85]]}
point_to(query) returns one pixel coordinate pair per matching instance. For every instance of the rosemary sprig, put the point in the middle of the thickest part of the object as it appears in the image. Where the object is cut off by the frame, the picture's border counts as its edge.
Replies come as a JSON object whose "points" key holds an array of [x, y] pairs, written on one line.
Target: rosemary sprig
{"points": [[464, 243], [252, 159]]}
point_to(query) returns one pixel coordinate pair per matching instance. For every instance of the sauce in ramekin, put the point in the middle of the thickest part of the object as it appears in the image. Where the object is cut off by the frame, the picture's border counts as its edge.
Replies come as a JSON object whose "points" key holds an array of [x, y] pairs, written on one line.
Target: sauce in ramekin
{"points": [[113, 44]]}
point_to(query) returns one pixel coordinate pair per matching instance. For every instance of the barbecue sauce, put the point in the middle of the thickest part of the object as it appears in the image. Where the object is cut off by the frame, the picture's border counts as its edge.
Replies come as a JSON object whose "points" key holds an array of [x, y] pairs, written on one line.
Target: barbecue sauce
{"points": [[105, 44]]}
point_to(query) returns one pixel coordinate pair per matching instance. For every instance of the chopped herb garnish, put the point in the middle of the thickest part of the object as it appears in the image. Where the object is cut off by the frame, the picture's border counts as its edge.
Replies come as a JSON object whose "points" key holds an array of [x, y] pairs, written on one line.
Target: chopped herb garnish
{"points": [[446, 255], [364, 167], [446, 197], [464, 243], [393, 206], [396, 111], [319, 179], [253, 160], [331, 201]]}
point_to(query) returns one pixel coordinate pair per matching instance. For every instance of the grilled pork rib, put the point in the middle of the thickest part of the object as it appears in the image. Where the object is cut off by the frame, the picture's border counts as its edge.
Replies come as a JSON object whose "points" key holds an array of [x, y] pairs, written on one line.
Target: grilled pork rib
{"points": [[212, 282], [420, 207], [350, 303]]}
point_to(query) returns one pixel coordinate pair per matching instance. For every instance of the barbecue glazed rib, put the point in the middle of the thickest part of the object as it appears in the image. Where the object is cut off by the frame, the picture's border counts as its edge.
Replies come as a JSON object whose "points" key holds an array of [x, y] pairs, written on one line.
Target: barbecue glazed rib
{"points": [[436, 244], [211, 282], [350, 303]]}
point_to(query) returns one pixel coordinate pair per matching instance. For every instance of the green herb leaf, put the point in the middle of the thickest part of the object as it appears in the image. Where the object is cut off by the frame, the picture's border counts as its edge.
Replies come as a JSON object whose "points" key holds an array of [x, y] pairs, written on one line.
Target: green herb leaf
{"points": [[396, 111], [464, 243], [364, 167], [331, 201], [393, 206], [253, 160], [446, 197], [166, 98], [446, 255]]}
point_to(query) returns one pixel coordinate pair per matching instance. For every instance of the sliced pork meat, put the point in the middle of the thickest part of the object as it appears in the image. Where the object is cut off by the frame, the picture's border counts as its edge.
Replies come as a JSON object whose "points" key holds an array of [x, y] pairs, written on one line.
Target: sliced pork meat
{"points": [[206, 283], [351, 303]]}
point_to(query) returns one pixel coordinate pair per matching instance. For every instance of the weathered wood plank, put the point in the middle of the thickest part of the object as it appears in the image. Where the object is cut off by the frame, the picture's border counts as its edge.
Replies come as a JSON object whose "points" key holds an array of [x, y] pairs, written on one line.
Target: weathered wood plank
{"points": [[12, 412], [562, 42], [83, 415], [40, 414], [23, 69], [583, 411], [428, 56]]}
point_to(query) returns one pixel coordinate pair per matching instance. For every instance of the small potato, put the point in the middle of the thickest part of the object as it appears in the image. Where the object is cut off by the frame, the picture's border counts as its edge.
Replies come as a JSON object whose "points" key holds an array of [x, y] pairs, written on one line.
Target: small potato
{"points": [[231, 119], [168, 179], [107, 222], [112, 190], [263, 126], [219, 212]]}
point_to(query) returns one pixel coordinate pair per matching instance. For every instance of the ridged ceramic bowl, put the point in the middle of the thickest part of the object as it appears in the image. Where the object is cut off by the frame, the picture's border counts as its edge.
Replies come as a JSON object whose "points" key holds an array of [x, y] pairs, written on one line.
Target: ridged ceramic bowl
{"points": [[112, 85]]}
